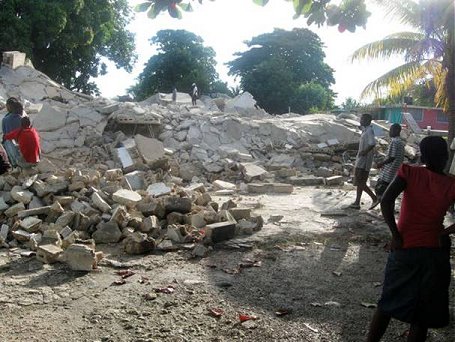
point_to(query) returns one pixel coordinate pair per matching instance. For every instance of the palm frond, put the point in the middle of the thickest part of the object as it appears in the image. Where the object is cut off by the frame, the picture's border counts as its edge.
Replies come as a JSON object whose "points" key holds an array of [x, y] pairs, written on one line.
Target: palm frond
{"points": [[396, 81], [406, 11], [384, 48]]}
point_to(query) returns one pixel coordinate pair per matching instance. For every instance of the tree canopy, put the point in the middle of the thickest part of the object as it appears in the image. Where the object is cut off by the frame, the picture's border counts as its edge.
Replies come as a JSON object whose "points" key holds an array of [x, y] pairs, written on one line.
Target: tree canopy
{"points": [[348, 14], [66, 39], [182, 59], [285, 68]]}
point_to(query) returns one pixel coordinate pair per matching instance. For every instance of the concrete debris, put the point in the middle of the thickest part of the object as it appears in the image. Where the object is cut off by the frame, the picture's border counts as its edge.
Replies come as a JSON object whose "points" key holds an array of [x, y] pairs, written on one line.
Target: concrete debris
{"points": [[146, 174]]}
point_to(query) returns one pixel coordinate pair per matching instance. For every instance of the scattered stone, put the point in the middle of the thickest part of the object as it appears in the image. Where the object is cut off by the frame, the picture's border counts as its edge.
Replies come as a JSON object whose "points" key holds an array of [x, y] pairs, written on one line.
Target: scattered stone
{"points": [[30, 224], [48, 254], [81, 257], [158, 189], [99, 203], [220, 231], [107, 232], [126, 197], [138, 243]]}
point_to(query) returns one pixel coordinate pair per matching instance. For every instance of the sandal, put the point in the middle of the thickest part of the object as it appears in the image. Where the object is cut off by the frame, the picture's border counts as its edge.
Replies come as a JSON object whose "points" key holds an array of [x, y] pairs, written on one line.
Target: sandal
{"points": [[374, 204]]}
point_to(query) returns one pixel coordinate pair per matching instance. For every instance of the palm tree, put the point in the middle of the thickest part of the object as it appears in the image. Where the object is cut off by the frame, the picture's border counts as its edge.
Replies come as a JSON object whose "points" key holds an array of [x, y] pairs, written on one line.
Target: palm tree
{"points": [[428, 52]]}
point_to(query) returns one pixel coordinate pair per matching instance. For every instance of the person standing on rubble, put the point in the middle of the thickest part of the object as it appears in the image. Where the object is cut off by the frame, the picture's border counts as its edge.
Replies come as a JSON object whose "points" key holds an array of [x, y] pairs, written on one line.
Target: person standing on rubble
{"points": [[174, 94], [11, 122], [418, 271], [194, 94], [29, 145], [390, 165], [364, 161]]}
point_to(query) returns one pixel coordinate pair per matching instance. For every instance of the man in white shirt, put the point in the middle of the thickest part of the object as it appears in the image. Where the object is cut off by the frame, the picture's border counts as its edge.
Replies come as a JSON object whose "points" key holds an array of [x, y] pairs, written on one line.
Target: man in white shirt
{"points": [[364, 161]]}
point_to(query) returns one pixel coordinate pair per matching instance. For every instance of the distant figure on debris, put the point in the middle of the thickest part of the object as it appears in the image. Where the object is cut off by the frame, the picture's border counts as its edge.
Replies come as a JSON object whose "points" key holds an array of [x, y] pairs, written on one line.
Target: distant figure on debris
{"points": [[174, 95], [4, 162], [389, 166], [194, 93], [364, 160], [29, 145], [11, 122], [418, 271]]}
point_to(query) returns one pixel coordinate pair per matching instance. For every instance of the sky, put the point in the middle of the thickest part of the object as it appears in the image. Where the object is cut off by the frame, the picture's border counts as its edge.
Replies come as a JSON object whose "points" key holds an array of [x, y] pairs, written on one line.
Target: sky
{"points": [[226, 24]]}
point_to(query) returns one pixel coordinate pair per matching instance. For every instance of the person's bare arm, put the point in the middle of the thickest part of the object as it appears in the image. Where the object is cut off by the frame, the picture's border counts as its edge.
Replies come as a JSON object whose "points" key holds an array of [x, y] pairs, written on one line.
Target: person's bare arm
{"points": [[388, 209]]}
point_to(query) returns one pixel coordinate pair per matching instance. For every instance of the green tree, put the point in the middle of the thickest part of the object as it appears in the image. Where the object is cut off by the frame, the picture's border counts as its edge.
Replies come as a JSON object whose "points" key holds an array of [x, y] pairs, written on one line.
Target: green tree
{"points": [[350, 104], [347, 15], [182, 59], [281, 68], [66, 39], [428, 51]]}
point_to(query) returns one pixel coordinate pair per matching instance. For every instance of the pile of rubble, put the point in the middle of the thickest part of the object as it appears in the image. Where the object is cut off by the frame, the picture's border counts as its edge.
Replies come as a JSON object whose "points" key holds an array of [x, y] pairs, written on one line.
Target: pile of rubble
{"points": [[141, 173]]}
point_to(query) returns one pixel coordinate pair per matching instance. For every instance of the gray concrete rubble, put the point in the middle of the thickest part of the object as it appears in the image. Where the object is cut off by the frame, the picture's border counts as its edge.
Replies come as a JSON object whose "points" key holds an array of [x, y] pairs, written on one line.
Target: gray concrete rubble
{"points": [[143, 174]]}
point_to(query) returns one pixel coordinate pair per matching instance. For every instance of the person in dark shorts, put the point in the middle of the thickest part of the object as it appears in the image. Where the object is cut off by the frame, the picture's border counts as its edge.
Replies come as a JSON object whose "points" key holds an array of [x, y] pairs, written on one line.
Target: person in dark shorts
{"points": [[389, 166], [418, 271], [364, 161]]}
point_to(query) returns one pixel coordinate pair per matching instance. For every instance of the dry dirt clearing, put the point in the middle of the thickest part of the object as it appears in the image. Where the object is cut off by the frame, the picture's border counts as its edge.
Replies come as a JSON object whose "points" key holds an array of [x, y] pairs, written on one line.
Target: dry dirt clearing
{"points": [[308, 277]]}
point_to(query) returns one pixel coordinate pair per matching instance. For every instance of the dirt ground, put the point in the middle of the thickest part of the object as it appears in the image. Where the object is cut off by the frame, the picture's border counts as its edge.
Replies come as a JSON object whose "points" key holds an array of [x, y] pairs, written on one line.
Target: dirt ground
{"points": [[323, 272]]}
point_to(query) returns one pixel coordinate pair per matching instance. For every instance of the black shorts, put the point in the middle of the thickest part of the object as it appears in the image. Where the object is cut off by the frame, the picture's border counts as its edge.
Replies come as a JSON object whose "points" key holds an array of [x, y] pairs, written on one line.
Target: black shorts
{"points": [[380, 187], [416, 286], [360, 176]]}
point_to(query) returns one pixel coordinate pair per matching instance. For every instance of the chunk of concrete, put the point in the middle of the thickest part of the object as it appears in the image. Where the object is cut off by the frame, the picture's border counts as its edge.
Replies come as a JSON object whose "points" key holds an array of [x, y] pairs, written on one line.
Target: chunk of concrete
{"points": [[126, 197], [220, 231], [48, 254], [107, 232], [14, 209], [177, 204], [158, 189], [334, 180], [21, 195], [100, 203], [136, 180], [80, 257], [222, 185], [151, 150], [252, 171], [240, 213], [152, 208], [306, 180], [138, 243], [30, 224]]}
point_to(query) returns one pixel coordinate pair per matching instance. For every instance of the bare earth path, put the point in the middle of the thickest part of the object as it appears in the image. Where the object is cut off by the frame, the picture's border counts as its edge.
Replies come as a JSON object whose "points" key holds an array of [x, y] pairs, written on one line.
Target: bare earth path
{"points": [[323, 271]]}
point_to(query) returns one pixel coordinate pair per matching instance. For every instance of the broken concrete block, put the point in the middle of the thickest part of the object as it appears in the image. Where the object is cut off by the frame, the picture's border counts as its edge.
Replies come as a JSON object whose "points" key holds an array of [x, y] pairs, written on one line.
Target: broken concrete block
{"points": [[138, 243], [196, 187], [150, 224], [124, 156], [174, 234], [158, 189], [107, 232], [136, 180], [222, 185], [3, 205], [220, 231], [80, 257], [113, 174], [240, 213], [264, 188], [334, 180], [151, 150], [252, 171], [100, 203], [65, 219], [21, 195], [34, 212], [13, 59], [203, 199], [166, 246], [152, 208], [119, 215], [54, 212], [51, 237], [306, 181], [177, 204], [109, 108], [21, 235], [200, 251], [4, 230], [48, 254], [15, 209], [196, 220], [228, 205], [30, 224], [126, 197], [321, 157]]}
